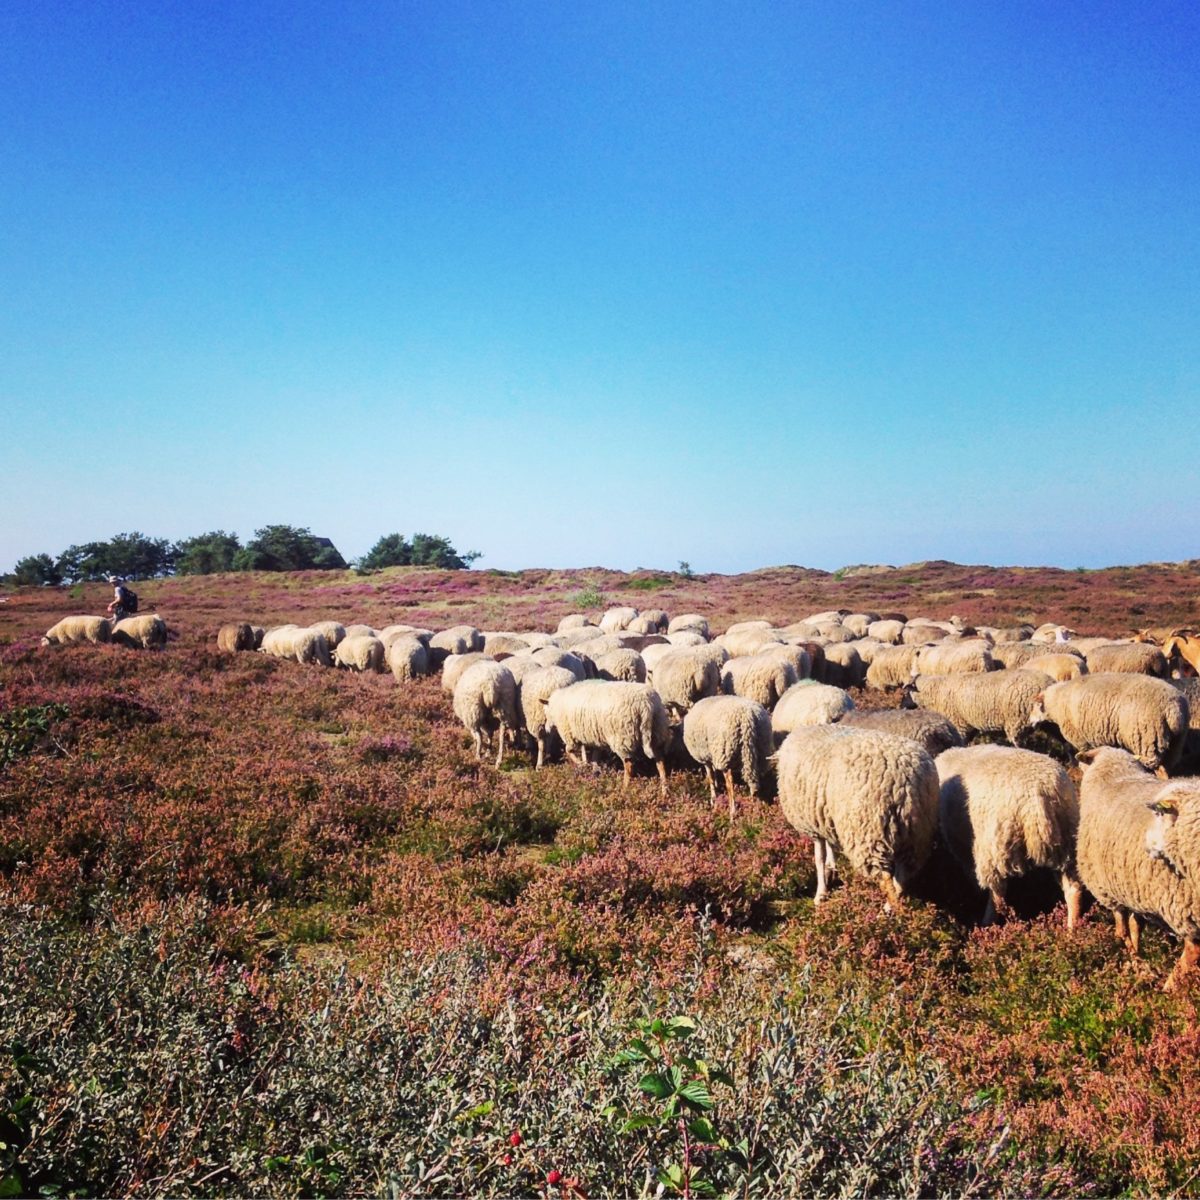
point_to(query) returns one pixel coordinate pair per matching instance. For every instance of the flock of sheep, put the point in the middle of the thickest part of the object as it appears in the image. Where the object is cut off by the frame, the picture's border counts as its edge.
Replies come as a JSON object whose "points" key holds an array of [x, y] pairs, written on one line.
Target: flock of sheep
{"points": [[878, 786]]}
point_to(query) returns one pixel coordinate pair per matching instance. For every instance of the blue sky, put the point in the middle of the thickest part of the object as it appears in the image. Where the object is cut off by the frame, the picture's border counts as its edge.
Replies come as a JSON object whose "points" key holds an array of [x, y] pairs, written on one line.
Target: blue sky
{"points": [[612, 284]]}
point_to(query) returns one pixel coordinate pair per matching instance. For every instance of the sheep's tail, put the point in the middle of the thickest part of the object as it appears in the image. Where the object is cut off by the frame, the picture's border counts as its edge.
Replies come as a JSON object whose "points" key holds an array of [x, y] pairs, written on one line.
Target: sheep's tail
{"points": [[1049, 836]]}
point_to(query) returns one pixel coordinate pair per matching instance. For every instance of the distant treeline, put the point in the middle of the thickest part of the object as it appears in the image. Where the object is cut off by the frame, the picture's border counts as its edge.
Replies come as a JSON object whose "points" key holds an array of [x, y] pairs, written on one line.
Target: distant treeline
{"points": [[273, 548]]}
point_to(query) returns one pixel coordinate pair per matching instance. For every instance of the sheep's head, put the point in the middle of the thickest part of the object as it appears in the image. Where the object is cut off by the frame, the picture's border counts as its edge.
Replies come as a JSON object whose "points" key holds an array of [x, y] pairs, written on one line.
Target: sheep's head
{"points": [[1037, 714], [1159, 839], [908, 695], [46, 642]]}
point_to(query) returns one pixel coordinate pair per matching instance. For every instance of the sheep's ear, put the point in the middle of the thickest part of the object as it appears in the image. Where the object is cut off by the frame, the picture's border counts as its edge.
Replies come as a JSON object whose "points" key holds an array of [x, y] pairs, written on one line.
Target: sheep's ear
{"points": [[1086, 756]]}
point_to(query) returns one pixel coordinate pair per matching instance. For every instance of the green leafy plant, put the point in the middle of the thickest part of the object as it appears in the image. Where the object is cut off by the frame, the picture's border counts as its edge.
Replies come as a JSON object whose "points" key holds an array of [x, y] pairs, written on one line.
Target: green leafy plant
{"points": [[680, 1084], [22, 730], [589, 597]]}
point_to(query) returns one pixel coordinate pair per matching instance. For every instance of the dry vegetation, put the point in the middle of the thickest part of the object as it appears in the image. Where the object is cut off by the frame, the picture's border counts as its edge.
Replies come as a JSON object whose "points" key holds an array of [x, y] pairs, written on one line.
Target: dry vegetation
{"points": [[271, 929]]}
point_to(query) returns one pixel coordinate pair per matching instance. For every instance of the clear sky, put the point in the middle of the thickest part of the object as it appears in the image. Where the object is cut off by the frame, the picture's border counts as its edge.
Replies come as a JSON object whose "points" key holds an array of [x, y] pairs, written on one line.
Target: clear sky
{"points": [[605, 284]]}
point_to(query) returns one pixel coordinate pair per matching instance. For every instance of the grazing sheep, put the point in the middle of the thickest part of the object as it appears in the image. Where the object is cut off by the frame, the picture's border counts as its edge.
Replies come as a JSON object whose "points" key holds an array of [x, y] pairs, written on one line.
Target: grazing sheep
{"points": [[406, 658], [309, 646], [626, 718], [623, 665], [955, 658], [503, 645], [981, 702], [360, 653], [1050, 633], [642, 624], [798, 656], [1058, 666], [744, 626], [1013, 655], [143, 632], [872, 795], [579, 666], [573, 621], [577, 637], [741, 643], [892, 667], [1136, 861], [334, 633], [534, 639], [1004, 812], [859, 623], [686, 637], [233, 638], [808, 703], [930, 730], [390, 632], [833, 632], [652, 654], [458, 639], [842, 666], [658, 616], [533, 690], [689, 621], [888, 632], [1127, 658], [1147, 717], [921, 633], [485, 701], [762, 678], [724, 732], [78, 629], [685, 676], [358, 631], [454, 665], [277, 642], [616, 619]]}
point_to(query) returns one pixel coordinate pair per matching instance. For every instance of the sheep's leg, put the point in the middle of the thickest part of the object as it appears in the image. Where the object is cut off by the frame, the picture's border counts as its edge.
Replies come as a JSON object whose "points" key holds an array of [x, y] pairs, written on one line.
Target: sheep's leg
{"points": [[997, 906], [500, 752], [583, 755], [819, 858], [712, 785], [831, 870], [478, 745], [1135, 934], [661, 767], [893, 893], [727, 776], [1073, 894], [628, 772], [1188, 964], [541, 754], [1121, 926]]}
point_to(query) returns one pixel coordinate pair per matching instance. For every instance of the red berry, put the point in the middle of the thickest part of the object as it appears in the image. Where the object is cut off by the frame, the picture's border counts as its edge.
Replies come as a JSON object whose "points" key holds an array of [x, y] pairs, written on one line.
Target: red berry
{"points": [[514, 1138], [554, 1178], [507, 1160]]}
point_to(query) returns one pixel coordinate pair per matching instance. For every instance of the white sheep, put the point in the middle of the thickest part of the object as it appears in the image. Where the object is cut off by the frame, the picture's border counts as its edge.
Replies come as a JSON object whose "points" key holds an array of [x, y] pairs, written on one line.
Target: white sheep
{"points": [[458, 639], [1136, 850], [235, 637], [333, 632], [624, 665], [78, 629], [726, 732], [627, 719], [1059, 667], [1127, 657], [406, 658], [277, 642], [573, 621], [955, 658], [685, 676], [390, 632], [809, 703], [887, 631], [686, 637], [359, 631], [142, 632], [1004, 812], [534, 689], [871, 795], [1013, 655], [798, 656], [616, 619], [454, 665], [743, 642], [842, 667], [891, 667], [579, 666], [689, 621], [360, 653], [762, 678], [1147, 717], [309, 646], [981, 702], [503, 645], [930, 730], [485, 701]]}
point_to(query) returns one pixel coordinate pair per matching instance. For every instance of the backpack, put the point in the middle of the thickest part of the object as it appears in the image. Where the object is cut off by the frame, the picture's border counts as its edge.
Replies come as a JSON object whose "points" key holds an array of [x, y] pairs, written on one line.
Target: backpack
{"points": [[128, 600]]}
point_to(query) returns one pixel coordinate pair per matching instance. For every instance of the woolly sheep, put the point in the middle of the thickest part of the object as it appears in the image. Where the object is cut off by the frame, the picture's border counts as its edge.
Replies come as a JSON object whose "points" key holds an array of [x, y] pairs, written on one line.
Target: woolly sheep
{"points": [[406, 658], [616, 619], [742, 643], [1058, 666], [888, 632], [930, 730], [1135, 863], [1049, 632], [859, 623], [891, 667], [143, 632], [520, 665], [842, 666], [866, 648], [1003, 812], [954, 658], [639, 641], [746, 626], [454, 665], [981, 702], [808, 703], [360, 653], [798, 656], [761, 678], [626, 718], [724, 732], [920, 633], [535, 639], [652, 654], [624, 665], [358, 631], [550, 656], [658, 616], [333, 632], [872, 795], [834, 631], [686, 637], [485, 701], [78, 629], [606, 643], [533, 690], [573, 621], [233, 638], [1147, 717], [390, 632], [642, 623], [1012, 655], [503, 645], [689, 621], [458, 639], [278, 641], [576, 637], [685, 676], [309, 646], [1127, 657]]}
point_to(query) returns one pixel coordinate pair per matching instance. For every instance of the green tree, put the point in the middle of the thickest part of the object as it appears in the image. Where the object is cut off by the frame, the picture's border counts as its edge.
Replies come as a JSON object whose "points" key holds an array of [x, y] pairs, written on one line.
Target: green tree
{"points": [[390, 551], [429, 550], [287, 548], [83, 563], [136, 556], [207, 553], [36, 569]]}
